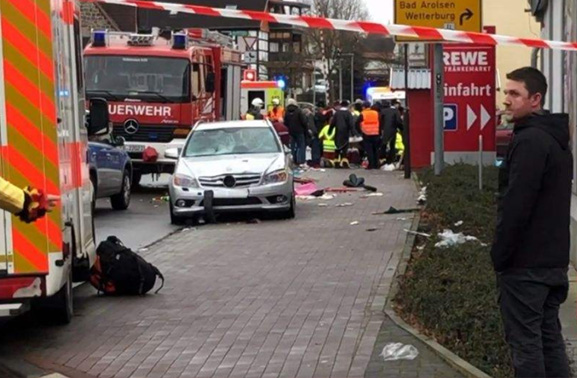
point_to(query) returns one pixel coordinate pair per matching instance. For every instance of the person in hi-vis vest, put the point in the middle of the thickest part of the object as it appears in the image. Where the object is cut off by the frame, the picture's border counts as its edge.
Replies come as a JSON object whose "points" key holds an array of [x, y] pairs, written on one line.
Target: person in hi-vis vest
{"points": [[28, 204], [370, 126]]}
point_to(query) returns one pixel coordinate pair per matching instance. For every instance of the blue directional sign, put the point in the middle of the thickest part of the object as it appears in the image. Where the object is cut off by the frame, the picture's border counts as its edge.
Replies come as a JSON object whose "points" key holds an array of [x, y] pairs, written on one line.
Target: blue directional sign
{"points": [[450, 117]]}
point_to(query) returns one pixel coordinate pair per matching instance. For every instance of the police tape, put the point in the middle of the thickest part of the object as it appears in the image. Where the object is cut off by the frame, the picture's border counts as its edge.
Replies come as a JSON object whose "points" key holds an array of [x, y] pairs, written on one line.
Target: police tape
{"points": [[418, 32]]}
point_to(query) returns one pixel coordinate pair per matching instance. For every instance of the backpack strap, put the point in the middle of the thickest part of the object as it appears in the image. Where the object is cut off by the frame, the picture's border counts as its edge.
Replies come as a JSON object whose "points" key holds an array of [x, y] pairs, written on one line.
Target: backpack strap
{"points": [[157, 272]]}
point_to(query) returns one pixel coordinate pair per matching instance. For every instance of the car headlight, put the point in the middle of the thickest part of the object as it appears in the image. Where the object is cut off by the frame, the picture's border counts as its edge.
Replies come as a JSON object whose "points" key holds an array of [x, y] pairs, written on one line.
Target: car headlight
{"points": [[275, 177], [184, 181]]}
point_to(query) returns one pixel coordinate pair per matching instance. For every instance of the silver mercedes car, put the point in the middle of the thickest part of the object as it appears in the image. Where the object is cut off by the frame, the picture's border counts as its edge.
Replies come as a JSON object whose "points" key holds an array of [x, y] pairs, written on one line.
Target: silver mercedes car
{"points": [[230, 167]]}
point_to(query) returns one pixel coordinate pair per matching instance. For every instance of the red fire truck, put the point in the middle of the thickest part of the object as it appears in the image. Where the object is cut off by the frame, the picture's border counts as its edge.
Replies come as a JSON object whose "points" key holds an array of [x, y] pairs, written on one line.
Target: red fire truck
{"points": [[159, 86]]}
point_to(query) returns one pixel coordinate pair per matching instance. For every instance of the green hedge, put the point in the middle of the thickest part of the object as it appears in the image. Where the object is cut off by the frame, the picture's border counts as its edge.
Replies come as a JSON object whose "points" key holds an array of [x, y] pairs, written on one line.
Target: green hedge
{"points": [[450, 294]]}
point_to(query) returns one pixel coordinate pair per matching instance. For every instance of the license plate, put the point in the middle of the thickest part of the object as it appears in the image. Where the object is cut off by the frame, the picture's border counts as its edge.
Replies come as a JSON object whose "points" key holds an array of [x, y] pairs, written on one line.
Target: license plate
{"points": [[134, 148]]}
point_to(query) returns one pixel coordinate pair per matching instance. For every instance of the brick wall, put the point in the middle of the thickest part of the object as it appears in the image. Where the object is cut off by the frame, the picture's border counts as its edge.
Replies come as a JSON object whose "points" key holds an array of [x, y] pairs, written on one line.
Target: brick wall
{"points": [[94, 18]]}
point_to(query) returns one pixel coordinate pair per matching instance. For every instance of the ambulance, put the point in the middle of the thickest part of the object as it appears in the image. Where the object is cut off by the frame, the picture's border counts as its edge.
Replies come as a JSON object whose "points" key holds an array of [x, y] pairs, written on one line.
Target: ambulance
{"points": [[43, 143], [265, 90], [378, 94]]}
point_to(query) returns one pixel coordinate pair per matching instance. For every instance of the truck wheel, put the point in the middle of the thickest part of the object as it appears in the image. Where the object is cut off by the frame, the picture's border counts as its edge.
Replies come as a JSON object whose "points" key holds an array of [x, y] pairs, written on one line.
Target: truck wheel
{"points": [[136, 177], [121, 201], [58, 309]]}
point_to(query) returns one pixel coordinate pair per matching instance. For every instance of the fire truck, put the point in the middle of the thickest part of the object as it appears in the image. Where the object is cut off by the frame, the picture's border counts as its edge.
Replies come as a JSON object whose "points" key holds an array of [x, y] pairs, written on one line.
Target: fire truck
{"points": [[158, 86], [43, 143]]}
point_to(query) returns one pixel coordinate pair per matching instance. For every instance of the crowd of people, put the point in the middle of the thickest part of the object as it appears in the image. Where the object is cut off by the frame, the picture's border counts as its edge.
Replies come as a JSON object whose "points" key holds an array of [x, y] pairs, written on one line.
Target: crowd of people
{"points": [[344, 134], [339, 135]]}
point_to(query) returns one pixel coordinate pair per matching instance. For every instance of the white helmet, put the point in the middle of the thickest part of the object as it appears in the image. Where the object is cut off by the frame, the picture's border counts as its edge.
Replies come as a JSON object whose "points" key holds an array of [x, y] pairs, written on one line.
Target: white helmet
{"points": [[275, 101], [257, 102]]}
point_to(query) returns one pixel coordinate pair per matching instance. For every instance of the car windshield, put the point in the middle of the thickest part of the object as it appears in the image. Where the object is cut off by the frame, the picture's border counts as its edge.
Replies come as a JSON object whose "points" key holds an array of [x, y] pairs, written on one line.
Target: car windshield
{"points": [[232, 141], [146, 78]]}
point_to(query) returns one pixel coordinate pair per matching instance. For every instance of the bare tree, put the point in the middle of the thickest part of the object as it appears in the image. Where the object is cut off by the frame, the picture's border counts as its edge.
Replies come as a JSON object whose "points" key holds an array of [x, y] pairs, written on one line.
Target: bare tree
{"points": [[346, 42]]}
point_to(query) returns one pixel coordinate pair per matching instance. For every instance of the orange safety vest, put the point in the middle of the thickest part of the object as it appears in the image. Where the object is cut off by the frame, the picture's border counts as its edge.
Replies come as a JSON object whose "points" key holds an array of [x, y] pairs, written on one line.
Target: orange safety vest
{"points": [[370, 124], [276, 115]]}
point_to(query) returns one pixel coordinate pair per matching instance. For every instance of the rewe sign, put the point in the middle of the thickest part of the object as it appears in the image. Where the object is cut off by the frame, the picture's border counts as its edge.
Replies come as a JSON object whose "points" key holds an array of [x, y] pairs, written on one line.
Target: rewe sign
{"points": [[469, 91]]}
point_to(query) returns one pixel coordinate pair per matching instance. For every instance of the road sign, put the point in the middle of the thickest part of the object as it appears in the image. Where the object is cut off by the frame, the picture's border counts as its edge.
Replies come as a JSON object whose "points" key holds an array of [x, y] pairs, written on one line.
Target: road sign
{"points": [[450, 117], [462, 15], [470, 92]]}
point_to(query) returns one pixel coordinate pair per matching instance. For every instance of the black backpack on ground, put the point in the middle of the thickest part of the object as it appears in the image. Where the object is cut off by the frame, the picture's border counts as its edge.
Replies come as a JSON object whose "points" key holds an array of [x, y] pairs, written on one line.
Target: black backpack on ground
{"points": [[120, 271]]}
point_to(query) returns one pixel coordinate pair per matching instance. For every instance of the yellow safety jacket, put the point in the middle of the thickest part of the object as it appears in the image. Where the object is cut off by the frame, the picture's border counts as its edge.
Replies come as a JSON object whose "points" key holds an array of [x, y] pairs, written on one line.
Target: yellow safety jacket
{"points": [[328, 139], [11, 197], [399, 145]]}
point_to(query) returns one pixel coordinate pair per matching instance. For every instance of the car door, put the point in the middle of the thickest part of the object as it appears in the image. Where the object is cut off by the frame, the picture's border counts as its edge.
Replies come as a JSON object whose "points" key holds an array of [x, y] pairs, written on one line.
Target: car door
{"points": [[101, 155]]}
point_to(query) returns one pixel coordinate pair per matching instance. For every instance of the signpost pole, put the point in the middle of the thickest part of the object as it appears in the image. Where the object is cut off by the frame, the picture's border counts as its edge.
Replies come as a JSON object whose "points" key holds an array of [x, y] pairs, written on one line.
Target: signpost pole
{"points": [[406, 119], [438, 108]]}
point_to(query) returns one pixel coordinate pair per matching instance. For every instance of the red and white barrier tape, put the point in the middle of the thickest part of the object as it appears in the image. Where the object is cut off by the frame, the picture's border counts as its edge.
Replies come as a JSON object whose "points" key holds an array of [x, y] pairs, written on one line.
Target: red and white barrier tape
{"points": [[419, 32]]}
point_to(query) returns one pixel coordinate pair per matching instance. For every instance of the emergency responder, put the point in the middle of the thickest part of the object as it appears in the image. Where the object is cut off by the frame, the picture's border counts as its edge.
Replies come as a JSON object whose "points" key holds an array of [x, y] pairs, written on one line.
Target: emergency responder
{"points": [[276, 114], [28, 204], [369, 125], [391, 123], [328, 140], [254, 111], [344, 124]]}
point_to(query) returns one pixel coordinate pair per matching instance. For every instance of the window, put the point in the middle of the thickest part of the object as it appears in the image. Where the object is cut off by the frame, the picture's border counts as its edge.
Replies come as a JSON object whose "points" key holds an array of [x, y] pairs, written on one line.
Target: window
{"points": [[273, 47], [285, 47], [141, 77], [78, 55], [297, 47], [229, 141], [196, 79]]}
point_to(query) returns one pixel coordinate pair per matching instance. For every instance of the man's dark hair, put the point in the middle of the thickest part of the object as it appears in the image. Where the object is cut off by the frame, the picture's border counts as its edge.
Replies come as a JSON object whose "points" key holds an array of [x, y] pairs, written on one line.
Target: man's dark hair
{"points": [[366, 104], [345, 103], [534, 80]]}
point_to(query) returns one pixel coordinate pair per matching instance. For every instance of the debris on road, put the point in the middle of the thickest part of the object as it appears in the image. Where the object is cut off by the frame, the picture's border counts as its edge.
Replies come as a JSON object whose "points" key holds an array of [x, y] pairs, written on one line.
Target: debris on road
{"points": [[459, 223], [398, 351], [323, 205], [306, 189], [346, 204], [354, 223], [372, 229]]}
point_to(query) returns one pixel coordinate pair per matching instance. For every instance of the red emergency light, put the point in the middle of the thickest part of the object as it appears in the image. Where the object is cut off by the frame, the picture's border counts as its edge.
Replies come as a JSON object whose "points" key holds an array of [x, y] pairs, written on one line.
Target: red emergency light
{"points": [[250, 75]]}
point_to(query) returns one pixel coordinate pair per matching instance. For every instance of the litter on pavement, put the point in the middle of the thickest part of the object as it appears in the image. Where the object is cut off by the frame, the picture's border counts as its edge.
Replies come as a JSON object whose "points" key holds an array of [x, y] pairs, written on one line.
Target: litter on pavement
{"points": [[417, 233], [354, 223], [449, 239], [388, 167], [398, 351], [358, 182], [346, 204], [374, 194], [422, 199], [393, 210], [323, 205], [306, 189], [459, 223]]}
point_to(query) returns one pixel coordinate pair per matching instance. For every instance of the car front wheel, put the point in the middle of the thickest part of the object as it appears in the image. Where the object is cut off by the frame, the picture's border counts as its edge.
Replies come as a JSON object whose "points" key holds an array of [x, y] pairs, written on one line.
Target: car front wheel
{"points": [[121, 201]]}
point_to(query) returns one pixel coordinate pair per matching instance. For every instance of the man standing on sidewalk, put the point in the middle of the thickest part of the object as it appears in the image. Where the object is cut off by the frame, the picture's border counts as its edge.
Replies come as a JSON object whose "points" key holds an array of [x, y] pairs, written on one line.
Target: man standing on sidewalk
{"points": [[530, 252]]}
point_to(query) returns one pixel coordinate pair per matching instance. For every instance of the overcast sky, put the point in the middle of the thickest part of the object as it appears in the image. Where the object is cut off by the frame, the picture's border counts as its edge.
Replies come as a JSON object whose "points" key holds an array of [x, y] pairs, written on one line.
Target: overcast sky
{"points": [[381, 10]]}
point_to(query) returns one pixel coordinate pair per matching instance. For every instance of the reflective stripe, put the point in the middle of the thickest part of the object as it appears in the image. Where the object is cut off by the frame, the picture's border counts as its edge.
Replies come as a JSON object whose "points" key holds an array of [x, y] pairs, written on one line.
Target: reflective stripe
{"points": [[370, 124]]}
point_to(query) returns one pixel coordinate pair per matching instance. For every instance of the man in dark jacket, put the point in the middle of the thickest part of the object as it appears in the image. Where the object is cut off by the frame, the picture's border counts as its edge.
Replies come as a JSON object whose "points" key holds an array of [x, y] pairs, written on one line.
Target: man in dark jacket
{"points": [[296, 122], [390, 122], [530, 252], [344, 123]]}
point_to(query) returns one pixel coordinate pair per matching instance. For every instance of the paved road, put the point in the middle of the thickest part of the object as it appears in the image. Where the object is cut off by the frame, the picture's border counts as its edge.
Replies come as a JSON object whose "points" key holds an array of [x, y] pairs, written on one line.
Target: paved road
{"points": [[297, 298], [143, 223]]}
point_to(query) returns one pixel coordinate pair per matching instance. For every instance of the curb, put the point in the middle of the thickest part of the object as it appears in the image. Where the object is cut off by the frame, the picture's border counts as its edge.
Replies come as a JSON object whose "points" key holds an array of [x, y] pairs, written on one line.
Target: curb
{"points": [[451, 358], [20, 368]]}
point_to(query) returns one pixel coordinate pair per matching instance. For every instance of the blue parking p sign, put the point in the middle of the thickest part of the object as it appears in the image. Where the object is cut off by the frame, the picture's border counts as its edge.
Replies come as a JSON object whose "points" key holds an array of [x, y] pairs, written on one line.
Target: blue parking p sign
{"points": [[450, 117]]}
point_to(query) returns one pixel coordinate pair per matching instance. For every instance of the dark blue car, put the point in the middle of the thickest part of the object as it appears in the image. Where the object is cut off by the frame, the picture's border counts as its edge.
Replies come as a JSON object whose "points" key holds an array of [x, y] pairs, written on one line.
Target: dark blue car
{"points": [[110, 171]]}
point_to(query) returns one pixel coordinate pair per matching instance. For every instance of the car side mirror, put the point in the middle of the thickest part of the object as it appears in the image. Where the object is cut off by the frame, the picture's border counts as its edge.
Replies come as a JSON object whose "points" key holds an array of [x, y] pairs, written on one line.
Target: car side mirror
{"points": [[172, 153], [286, 149], [98, 120], [209, 85]]}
